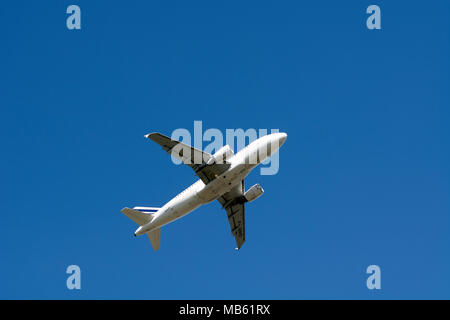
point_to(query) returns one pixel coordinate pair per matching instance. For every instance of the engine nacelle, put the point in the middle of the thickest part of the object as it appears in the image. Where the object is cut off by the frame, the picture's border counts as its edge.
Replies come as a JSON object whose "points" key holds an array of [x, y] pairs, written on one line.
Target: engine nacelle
{"points": [[253, 193], [221, 155]]}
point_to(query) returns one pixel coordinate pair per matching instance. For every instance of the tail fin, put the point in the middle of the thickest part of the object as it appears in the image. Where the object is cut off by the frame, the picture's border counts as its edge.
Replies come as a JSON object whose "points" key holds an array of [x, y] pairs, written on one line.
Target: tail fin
{"points": [[140, 215], [155, 238]]}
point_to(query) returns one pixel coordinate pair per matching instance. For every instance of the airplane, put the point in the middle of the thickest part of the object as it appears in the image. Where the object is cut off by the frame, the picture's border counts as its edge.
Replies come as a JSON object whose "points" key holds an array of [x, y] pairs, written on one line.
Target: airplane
{"points": [[221, 178]]}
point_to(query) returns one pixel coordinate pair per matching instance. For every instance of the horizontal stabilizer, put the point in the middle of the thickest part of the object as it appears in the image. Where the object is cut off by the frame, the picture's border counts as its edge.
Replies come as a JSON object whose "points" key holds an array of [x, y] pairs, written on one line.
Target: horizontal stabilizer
{"points": [[150, 210], [139, 216]]}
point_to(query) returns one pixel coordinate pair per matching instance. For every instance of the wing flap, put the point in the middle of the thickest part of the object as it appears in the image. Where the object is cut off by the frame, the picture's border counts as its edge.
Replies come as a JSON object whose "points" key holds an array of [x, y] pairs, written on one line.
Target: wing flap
{"points": [[236, 218], [231, 202]]}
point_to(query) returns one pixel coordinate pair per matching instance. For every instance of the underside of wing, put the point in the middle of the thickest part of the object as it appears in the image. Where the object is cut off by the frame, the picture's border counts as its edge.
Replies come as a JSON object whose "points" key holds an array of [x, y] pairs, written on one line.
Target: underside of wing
{"points": [[190, 156], [236, 218], [187, 154], [235, 208]]}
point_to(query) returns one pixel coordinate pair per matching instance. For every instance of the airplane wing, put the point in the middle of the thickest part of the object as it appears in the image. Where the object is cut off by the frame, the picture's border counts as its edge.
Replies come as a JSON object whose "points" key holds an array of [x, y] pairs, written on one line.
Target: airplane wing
{"points": [[190, 156], [231, 202]]}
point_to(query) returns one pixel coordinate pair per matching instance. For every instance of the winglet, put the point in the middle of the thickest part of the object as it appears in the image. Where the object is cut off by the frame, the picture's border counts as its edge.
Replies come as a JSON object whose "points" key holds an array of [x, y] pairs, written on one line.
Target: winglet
{"points": [[150, 135]]}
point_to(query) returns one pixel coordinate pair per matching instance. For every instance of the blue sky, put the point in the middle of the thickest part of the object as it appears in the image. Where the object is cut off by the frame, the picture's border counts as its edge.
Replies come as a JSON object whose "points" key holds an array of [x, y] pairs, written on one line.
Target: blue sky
{"points": [[364, 174]]}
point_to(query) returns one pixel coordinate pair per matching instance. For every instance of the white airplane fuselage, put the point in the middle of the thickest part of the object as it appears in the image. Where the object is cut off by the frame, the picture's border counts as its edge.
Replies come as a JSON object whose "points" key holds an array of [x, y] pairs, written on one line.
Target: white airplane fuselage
{"points": [[199, 193]]}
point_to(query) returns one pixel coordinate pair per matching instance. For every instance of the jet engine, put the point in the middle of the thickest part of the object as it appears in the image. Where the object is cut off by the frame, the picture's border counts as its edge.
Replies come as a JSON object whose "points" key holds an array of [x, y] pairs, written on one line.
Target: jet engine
{"points": [[253, 193], [221, 155]]}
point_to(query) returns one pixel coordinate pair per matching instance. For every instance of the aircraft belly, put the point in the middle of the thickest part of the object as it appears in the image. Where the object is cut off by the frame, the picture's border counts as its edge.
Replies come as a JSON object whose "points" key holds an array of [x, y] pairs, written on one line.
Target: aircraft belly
{"points": [[186, 206], [223, 183], [176, 210]]}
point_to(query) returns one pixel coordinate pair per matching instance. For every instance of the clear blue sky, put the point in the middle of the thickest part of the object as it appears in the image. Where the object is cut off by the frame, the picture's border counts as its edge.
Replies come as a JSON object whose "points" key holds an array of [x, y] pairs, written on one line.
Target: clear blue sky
{"points": [[364, 175]]}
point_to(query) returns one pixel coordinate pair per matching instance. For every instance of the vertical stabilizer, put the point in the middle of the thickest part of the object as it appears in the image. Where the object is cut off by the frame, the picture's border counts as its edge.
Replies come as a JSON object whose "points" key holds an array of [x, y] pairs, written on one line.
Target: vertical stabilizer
{"points": [[155, 238]]}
